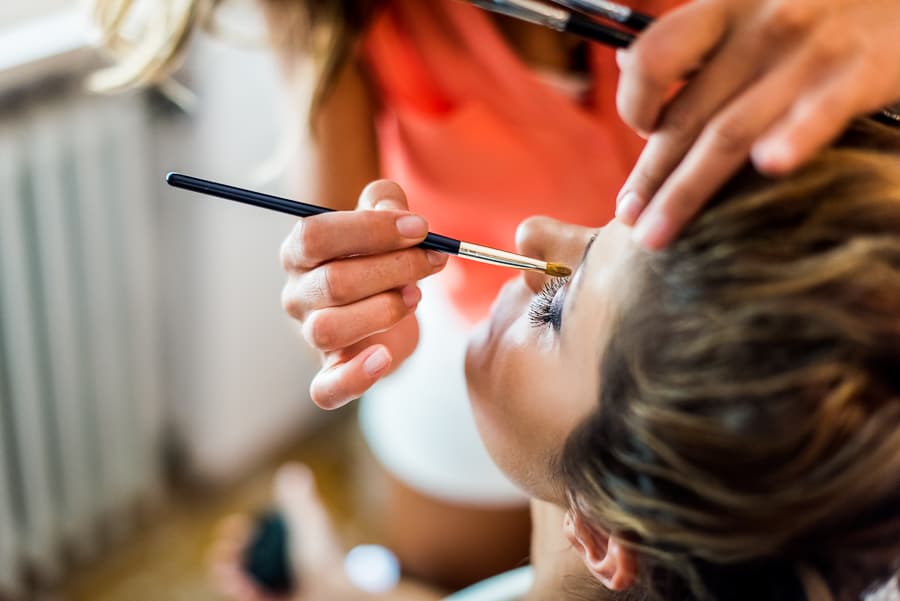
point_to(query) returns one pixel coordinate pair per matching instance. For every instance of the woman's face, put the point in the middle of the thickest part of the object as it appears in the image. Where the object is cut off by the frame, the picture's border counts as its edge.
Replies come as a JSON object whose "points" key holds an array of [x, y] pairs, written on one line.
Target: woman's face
{"points": [[533, 368]]}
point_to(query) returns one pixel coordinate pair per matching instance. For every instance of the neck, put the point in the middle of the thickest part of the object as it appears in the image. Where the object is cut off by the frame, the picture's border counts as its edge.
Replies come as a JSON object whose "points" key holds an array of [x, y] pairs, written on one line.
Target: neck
{"points": [[552, 557]]}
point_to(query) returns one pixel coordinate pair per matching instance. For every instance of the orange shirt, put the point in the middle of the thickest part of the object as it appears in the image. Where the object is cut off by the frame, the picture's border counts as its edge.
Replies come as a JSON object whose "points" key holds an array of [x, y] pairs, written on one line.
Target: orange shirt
{"points": [[480, 142]]}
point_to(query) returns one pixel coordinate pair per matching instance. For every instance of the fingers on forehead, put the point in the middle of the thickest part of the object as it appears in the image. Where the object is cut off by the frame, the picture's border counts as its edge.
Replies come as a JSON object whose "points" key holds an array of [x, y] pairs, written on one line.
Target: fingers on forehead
{"points": [[665, 54]]}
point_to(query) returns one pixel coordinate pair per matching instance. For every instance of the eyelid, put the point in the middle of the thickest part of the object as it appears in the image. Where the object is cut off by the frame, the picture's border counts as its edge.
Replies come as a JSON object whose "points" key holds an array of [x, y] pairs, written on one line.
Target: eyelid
{"points": [[545, 308]]}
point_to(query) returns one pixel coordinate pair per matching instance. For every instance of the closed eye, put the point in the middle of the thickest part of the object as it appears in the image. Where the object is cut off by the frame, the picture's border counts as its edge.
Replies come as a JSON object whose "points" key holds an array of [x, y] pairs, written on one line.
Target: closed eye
{"points": [[547, 306]]}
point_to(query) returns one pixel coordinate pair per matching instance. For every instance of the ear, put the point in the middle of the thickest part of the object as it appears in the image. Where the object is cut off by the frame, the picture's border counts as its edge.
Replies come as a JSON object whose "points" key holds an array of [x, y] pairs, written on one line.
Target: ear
{"points": [[605, 557]]}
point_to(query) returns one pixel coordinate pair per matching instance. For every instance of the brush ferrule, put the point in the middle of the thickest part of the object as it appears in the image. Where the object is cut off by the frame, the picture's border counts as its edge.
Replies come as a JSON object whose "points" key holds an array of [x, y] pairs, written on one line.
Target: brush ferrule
{"points": [[486, 254], [610, 10], [531, 11]]}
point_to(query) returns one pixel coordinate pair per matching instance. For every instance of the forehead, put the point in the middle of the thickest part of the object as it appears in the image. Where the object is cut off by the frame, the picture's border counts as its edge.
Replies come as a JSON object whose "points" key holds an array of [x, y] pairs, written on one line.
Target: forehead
{"points": [[599, 287]]}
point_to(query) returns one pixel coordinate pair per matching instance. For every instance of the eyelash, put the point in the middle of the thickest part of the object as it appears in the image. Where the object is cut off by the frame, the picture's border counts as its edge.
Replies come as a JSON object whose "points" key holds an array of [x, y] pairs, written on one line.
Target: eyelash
{"points": [[542, 311]]}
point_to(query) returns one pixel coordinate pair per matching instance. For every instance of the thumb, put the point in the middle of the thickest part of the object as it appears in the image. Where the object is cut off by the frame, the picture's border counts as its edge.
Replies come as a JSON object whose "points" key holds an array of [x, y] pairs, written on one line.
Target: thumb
{"points": [[383, 195]]}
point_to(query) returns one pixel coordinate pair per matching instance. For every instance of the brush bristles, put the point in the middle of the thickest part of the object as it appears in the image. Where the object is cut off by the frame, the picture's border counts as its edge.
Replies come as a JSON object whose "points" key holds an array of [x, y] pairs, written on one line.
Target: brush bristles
{"points": [[557, 271]]}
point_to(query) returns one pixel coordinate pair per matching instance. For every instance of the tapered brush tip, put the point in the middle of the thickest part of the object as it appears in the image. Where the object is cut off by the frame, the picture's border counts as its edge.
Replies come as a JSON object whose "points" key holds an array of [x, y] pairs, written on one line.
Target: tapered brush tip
{"points": [[557, 270]]}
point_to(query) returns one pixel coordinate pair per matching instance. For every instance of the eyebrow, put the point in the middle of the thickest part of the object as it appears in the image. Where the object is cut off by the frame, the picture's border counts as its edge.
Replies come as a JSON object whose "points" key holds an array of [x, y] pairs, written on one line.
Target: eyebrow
{"points": [[587, 249]]}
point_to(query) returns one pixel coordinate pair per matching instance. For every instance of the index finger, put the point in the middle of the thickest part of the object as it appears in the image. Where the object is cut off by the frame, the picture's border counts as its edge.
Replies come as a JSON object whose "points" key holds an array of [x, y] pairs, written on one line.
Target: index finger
{"points": [[672, 48], [329, 236]]}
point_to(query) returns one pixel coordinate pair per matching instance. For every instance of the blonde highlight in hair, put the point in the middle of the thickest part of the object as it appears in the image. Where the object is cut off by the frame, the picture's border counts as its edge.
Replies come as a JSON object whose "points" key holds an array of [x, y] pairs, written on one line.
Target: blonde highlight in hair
{"points": [[148, 45], [749, 419]]}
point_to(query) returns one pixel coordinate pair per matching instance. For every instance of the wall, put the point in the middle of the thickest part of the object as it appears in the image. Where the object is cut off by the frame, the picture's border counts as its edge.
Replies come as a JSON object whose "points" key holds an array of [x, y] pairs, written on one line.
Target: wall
{"points": [[239, 370]]}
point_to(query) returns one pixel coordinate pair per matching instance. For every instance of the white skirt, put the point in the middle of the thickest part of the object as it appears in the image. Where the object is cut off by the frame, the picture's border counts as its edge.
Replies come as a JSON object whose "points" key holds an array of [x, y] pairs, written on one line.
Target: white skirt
{"points": [[418, 422]]}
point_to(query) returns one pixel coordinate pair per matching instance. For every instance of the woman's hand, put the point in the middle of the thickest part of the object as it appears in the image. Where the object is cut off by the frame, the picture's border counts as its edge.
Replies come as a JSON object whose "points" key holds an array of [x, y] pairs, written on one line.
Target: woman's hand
{"points": [[773, 80], [352, 285]]}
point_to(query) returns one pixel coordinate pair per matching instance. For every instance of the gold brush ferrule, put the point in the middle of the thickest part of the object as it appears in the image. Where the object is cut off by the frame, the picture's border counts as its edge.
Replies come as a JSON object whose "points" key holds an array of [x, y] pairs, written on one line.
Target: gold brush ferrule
{"points": [[486, 254]]}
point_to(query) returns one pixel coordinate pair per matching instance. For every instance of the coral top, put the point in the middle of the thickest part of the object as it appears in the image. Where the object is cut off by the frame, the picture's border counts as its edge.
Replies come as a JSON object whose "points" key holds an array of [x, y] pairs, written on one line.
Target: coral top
{"points": [[480, 141]]}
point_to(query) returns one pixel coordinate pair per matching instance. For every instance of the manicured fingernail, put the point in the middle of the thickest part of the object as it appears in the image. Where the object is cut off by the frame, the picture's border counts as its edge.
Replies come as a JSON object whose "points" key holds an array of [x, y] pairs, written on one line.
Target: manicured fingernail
{"points": [[412, 226], [629, 208], [377, 363], [388, 204], [435, 258], [652, 231], [411, 296], [773, 156]]}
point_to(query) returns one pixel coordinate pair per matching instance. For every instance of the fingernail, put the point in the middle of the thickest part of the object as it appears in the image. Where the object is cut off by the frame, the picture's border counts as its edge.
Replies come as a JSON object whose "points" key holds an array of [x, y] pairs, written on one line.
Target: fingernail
{"points": [[377, 363], [621, 58], [412, 226], [652, 231], [388, 204], [435, 258], [411, 296], [629, 208], [772, 156]]}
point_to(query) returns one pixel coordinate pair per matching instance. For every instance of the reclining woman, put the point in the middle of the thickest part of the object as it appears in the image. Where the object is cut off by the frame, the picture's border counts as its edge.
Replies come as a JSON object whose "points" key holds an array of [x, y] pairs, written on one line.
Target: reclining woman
{"points": [[716, 421]]}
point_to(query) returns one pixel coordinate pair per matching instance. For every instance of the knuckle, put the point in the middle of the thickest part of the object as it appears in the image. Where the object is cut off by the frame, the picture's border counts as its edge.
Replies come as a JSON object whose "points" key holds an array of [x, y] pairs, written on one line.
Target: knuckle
{"points": [[288, 252], [643, 62], [831, 46], [787, 19], [417, 265], [307, 242], [677, 123], [318, 331], [331, 286], [729, 136], [394, 309], [290, 302]]}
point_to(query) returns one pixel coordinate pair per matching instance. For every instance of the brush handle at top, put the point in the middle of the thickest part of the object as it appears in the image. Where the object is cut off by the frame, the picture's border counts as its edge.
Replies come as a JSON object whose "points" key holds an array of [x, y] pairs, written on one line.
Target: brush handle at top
{"points": [[612, 11], [597, 32], [436, 242]]}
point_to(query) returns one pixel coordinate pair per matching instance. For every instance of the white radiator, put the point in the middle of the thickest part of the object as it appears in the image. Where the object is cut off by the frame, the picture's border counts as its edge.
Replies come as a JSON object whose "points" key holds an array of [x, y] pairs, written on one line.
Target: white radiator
{"points": [[80, 405]]}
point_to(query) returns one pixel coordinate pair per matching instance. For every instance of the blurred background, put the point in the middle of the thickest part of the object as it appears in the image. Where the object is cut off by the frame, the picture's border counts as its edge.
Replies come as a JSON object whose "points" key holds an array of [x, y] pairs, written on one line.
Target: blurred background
{"points": [[149, 381]]}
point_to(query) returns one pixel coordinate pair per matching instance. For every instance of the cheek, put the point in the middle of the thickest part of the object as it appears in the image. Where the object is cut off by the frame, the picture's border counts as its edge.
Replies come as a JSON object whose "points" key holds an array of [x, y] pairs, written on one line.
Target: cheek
{"points": [[521, 424]]}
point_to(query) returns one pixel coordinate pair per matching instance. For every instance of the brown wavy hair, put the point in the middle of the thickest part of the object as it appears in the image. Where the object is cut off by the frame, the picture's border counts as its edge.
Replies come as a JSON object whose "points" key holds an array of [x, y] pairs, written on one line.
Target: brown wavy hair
{"points": [[154, 46], [748, 425]]}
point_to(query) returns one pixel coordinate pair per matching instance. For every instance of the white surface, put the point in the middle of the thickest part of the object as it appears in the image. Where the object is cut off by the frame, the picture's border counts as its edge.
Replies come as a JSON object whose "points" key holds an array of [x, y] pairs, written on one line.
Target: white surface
{"points": [[509, 586], [239, 370], [418, 422], [372, 568], [13, 12], [55, 43]]}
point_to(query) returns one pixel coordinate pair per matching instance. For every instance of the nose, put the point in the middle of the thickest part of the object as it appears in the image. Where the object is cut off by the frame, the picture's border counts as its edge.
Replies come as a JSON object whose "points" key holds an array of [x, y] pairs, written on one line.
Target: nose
{"points": [[534, 238], [550, 240]]}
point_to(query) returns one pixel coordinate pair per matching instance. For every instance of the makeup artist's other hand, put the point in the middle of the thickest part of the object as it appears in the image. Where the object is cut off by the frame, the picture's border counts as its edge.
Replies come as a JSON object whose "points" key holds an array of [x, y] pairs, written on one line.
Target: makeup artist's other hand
{"points": [[772, 80], [352, 285]]}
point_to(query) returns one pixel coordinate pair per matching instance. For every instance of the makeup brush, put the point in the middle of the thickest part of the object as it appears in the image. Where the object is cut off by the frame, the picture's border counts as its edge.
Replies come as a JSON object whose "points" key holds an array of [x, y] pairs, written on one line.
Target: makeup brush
{"points": [[612, 11], [466, 250], [559, 19]]}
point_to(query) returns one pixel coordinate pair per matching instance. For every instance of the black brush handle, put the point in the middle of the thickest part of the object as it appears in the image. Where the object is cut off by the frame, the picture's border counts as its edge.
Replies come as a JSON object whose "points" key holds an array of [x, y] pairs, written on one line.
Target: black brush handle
{"points": [[597, 32], [638, 21], [437, 242], [266, 559]]}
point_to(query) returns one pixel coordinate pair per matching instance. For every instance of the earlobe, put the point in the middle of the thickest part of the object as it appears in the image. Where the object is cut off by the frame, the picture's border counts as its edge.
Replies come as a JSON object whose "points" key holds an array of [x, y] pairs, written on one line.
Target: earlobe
{"points": [[604, 556]]}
